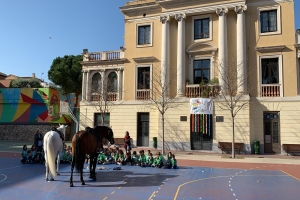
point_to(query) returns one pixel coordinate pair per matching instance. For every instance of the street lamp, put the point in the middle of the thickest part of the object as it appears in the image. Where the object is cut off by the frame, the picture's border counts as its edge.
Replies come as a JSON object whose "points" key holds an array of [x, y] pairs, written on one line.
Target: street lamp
{"points": [[42, 76]]}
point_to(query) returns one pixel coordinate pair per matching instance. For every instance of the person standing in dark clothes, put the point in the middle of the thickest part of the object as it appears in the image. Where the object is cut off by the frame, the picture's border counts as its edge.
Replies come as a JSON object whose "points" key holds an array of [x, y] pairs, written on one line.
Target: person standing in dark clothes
{"points": [[127, 145], [38, 140]]}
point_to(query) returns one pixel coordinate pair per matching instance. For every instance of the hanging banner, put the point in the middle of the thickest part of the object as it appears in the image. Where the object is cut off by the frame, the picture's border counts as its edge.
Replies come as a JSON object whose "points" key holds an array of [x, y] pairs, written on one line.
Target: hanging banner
{"points": [[201, 106]]}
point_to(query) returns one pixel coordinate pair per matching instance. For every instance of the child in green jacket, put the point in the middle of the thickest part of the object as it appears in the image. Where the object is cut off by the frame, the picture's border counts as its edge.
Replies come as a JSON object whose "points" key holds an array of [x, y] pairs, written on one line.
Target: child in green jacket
{"points": [[169, 161], [174, 162], [158, 161], [150, 160]]}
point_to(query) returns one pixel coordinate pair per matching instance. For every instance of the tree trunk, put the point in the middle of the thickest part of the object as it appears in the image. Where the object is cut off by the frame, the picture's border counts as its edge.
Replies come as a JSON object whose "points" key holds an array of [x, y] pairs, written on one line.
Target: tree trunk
{"points": [[233, 152], [163, 135]]}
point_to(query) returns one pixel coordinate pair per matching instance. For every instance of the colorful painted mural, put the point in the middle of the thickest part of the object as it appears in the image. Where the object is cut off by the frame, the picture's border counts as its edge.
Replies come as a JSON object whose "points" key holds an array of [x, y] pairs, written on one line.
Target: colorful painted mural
{"points": [[31, 106]]}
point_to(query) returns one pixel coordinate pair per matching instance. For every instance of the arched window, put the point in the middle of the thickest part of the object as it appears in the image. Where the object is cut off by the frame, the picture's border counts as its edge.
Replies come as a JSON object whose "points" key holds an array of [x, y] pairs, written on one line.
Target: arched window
{"points": [[112, 82], [96, 83]]}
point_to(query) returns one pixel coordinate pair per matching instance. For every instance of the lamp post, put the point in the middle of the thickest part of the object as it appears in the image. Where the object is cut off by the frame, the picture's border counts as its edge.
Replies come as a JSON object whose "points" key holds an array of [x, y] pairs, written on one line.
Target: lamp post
{"points": [[42, 76]]}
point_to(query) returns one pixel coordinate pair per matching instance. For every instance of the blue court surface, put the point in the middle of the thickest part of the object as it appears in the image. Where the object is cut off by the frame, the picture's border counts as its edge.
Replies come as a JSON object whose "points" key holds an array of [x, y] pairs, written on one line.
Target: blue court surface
{"points": [[19, 181]]}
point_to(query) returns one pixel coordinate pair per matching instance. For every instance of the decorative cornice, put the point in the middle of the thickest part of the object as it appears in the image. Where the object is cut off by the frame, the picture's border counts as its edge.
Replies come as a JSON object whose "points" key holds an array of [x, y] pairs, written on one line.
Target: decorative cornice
{"points": [[141, 8], [180, 17], [164, 19], [297, 46], [266, 2], [270, 49], [240, 9], [221, 11], [104, 62], [201, 48], [144, 59]]}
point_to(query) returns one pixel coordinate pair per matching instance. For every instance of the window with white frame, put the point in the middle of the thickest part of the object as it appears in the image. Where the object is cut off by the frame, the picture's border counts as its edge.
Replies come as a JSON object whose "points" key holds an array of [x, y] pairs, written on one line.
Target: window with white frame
{"points": [[201, 71], [96, 83], [98, 121], [143, 83], [270, 77], [269, 20], [270, 70], [144, 34], [202, 28], [143, 79]]}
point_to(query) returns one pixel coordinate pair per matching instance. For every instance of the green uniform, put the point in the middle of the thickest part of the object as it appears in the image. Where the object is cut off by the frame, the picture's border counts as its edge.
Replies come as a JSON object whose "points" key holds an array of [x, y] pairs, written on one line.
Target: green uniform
{"points": [[142, 159], [174, 162], [150, 161]]}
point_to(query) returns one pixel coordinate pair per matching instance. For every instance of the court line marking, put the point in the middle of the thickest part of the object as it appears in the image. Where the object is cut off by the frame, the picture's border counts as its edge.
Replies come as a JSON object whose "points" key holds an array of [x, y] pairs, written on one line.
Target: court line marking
{"points": [[5, 177], [290, 175], [179, 187], [151, 195], [12, 167]]}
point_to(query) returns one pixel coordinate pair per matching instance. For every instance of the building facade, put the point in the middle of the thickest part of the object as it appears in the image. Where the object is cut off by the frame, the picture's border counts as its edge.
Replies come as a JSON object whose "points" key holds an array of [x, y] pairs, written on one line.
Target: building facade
{"points": [[188, 45]]}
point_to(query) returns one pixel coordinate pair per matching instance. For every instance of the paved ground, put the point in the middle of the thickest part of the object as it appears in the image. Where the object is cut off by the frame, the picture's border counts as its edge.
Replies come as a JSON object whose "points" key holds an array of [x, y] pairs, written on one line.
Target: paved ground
{"points": [[201, 176]]}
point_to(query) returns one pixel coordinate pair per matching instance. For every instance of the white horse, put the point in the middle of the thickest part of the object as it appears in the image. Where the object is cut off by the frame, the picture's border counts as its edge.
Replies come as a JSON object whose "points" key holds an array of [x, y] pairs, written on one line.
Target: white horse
{"points": [[53, 145]]}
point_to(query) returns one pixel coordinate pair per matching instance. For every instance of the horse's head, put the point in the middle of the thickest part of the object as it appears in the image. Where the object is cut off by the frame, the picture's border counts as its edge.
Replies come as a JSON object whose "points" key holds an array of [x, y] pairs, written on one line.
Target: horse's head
{"points": [[62, 131], [105, 132]]}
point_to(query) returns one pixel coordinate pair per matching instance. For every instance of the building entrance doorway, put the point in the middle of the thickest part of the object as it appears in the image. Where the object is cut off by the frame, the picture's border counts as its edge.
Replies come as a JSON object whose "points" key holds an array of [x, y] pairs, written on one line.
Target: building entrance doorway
{"points": [[143, 129], [272, 142], [201, 131]]}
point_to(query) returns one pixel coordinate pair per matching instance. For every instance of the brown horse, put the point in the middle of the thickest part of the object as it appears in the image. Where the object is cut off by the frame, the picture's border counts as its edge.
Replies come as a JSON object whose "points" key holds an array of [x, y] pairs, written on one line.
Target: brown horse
{"points": [[89, 142]]}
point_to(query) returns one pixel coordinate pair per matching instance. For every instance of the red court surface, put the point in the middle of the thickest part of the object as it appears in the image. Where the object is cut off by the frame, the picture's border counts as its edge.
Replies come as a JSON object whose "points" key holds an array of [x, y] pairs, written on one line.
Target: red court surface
{"points": [[193, 180]]}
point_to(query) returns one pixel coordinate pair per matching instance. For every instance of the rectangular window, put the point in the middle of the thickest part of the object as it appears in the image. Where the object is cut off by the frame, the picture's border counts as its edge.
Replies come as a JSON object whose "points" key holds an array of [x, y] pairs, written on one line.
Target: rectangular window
{"points": [[270, 71], [143, 78], [201, 71], [201, 28], [98, 119], [144, 34], [268, 21]]}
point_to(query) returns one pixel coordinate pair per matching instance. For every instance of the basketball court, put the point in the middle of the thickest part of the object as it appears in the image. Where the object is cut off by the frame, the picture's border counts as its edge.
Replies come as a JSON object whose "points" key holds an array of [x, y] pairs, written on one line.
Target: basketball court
{"points": [[19, 181]]}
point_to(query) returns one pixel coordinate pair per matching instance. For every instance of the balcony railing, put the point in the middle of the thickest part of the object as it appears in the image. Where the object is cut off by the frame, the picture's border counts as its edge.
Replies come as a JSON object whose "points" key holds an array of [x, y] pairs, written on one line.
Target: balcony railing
{"points": [[105, 55], [195, 90], [270, 90], [113, 96], [143, 94]]}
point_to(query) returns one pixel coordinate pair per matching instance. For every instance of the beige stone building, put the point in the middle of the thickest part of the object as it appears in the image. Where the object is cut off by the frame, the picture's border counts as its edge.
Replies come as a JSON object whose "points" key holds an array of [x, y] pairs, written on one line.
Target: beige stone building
{"points": [[200, 42]]}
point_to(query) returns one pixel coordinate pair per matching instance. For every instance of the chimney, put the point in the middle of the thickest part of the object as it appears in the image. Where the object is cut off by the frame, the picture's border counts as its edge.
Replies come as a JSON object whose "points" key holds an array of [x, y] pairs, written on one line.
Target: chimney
{"points": [[33, 75], [298, 36]]}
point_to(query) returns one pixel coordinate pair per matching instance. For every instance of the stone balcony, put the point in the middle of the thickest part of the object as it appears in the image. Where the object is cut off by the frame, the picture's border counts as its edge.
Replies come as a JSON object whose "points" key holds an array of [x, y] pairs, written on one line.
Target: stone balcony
{"points": [[104, 57], [196, 90]]}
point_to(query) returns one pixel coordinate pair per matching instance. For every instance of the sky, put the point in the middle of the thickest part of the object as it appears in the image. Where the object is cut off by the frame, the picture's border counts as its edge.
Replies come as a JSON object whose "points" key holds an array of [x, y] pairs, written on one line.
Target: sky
{"points": [[35, 32]]}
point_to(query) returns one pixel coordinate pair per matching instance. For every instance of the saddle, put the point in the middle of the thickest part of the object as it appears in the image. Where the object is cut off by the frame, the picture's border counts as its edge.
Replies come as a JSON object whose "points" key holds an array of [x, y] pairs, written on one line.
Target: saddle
{"points": [[61, 135], [92, 131]]}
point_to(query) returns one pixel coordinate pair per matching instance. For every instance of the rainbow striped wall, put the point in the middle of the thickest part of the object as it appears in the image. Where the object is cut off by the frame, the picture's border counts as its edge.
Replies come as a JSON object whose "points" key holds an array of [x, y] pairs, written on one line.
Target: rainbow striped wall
{"points": [[31, 106]]}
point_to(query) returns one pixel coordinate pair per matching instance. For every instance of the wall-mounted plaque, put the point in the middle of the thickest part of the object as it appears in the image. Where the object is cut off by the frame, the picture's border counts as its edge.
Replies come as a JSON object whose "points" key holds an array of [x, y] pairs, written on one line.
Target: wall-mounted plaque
{"points": [[183, 118], [219, 118]]}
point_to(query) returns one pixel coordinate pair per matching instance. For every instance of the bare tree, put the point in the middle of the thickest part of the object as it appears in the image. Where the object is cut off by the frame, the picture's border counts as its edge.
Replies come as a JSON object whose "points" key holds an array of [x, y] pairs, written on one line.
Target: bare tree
{"points": [[234, 92], [104, 94], [160, 97]]}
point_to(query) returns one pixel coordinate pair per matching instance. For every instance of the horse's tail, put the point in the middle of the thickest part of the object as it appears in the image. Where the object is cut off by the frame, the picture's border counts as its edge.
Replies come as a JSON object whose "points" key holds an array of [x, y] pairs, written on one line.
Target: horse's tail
{"points": [[50, 155], [78, 157]]}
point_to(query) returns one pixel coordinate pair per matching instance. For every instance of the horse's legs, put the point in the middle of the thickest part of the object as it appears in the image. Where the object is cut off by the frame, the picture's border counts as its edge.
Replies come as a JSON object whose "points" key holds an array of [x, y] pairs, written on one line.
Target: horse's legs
{"points": [[57, 164], [47, 170], [91, 164], [81, 172], [94, 166], [72, 168]]}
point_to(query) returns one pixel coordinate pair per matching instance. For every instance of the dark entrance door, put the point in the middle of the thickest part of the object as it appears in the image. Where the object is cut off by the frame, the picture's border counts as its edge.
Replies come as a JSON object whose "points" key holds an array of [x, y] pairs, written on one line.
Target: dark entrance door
{"points": [[201, 131], [143, 129], [271, 133]]}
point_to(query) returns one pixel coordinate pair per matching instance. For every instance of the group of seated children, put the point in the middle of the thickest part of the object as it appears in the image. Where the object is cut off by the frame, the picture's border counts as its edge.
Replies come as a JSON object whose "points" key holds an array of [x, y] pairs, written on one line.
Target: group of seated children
{"points": [[30, 156], [66, 154], [116, 156]]}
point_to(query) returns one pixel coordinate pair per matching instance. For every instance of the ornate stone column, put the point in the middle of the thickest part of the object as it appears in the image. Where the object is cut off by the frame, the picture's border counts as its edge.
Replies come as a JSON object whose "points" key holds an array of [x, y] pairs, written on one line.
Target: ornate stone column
{"points": [[222, 59], [165, 50], [120, 80], [83, 85], [88, 83], [241, 49], [180, 54]]}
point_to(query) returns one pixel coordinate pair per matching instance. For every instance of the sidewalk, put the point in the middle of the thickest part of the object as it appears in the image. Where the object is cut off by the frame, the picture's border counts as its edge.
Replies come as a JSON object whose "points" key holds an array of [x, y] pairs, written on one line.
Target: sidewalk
{"points": [[16, 146]]}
